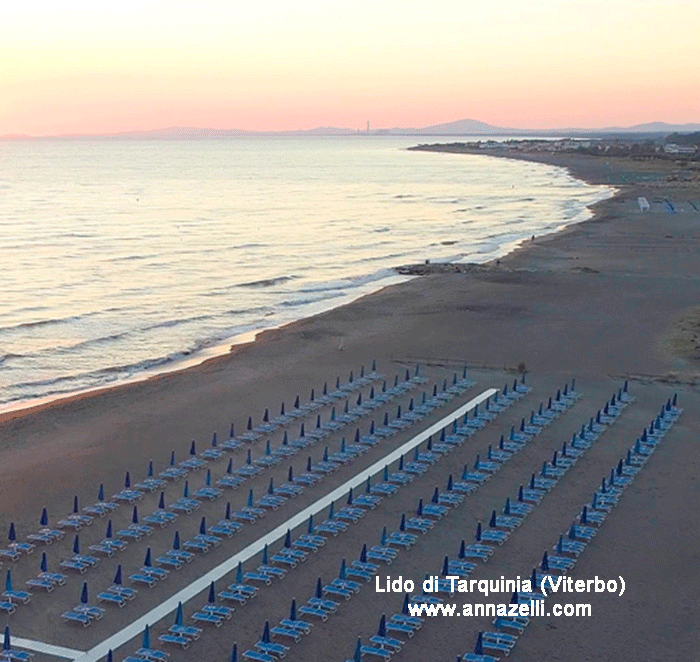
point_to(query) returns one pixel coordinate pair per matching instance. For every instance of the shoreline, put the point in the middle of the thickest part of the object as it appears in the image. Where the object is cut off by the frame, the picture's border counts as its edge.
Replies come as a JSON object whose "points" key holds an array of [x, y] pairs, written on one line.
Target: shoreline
{"points": [[228, 347]]}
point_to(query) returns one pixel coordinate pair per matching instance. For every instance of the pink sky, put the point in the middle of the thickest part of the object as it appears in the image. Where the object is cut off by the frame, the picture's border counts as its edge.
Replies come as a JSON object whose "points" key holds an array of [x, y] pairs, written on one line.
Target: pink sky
{"points": [[73, 68]]}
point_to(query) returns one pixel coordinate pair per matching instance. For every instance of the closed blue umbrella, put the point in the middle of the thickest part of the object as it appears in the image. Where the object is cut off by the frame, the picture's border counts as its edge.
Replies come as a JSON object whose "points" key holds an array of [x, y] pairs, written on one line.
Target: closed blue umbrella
{"points": [[357, 657], [462, 550], [150, 469], [135, 515], [446, 567], [76, 509], [288, 538], [186, 490], [44, 518], [44, 563], [12, 535], [127, 480], [110, 656], [203, 526], [293, 611], [234, 653], [310, 528], [8, 581], [382, 540], [271, 487], [76, 544], [478, 532], [319, 588], [211, 598], [108, 533], [146, 640], [404, 608], [250, 497], [161, 501], [402, 525], [178, 614], [239, 573], [227, 514], [266, 633], [118, 575], [350, 497], [207, 480], [193, 450], [84, 594], [381, 630], [172, 458], [101, 492], [479, 646], [214, 441], [341, 574], [229, 468], [544, 566], [363, 554], [6, 645], [176, 540], [148, 561]]}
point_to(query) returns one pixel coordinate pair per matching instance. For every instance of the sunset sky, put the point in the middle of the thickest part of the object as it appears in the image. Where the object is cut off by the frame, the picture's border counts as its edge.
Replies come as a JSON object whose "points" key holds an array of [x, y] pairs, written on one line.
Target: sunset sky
{"points": [[93, 67]]}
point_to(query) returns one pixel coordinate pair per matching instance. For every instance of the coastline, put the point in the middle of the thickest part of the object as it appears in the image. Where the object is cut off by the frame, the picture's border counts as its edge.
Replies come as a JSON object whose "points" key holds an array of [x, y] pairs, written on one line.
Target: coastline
{"points": [[595, 301], [19, 408]]}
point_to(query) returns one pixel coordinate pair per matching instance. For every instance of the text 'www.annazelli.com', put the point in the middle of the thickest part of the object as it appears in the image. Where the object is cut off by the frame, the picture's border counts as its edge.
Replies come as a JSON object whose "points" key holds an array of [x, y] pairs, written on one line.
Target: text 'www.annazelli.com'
{"points": [[531, 609]]}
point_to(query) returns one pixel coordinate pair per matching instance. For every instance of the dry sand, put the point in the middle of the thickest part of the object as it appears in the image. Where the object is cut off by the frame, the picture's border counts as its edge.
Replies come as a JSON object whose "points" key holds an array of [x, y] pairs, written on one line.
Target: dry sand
{"points": [[607, 299]]}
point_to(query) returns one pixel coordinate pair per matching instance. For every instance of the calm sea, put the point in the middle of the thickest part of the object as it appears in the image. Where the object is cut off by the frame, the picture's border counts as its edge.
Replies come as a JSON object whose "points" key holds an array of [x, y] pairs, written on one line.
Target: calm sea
{"points": [[121, 257]]}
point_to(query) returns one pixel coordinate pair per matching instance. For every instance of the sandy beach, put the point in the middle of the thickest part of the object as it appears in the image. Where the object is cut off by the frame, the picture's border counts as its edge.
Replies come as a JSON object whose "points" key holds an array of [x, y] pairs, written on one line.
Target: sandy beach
{"points": [[609, 299]]}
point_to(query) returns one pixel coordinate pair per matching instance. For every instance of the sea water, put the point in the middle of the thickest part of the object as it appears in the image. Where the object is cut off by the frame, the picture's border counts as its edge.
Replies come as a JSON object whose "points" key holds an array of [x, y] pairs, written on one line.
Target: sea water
{"points": [[123, 257]]}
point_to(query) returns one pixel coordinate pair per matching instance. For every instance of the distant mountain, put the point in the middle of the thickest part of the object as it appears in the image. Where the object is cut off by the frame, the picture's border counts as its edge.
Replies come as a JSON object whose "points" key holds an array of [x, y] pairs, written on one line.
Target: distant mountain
{"points": [[466, 127], [463, 127]]}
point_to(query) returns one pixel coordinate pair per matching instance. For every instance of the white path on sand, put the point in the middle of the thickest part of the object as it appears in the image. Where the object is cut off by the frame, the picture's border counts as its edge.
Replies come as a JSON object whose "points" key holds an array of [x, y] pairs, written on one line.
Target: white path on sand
{"points": [[200, 585]]}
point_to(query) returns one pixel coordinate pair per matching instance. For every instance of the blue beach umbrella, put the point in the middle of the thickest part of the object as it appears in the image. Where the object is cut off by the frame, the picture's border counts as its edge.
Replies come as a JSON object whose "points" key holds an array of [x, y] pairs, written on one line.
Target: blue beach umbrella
{"points": [[178, 614], [419, 510], [44, 563], [478, 532], [84, 594], [44, 518], [135, 515], [310, 528], [382, 540], [186, 490], [249, 458], [234, 653], [229, 468], [544, 565], [227, 514], [462, 550], [75, 505], [207, 480], [118, 575], [108, 533], [350, 497], [250, 498], [293, 611], [110, 656], [76, 544], [172, 458], [265, 559], [203, 526], [363, 554], [148, 561], [211, 598], [8, 581], [150, 469], [288, 537], [381, 630], [232, 432], [271, 487], [161, 501], [101, 492], [342, 572], [146, 640], [6, 644], [266, 633], [446, 567], [319, 588], [176, 540], [479, 646], [404, 608], [12, 535], [402, 524], [239, 573]]}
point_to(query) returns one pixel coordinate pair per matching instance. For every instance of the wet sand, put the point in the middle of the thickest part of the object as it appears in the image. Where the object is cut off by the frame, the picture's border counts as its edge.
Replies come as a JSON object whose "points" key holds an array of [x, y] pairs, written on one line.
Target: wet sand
{"points": [[612, 298]]}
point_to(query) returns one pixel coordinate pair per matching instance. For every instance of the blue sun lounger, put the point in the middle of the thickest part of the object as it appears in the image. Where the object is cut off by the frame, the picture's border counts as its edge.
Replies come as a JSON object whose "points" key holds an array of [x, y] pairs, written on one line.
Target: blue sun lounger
{"points": [[175, 639], [314, 611], [257, 656], [282, 631], [233, 596], [303, 627], [140, 578], [41, 583], [112, 598], [220, 611], [7, 606], [76, 617], [270, 648], [152, 654], [211, 619]]}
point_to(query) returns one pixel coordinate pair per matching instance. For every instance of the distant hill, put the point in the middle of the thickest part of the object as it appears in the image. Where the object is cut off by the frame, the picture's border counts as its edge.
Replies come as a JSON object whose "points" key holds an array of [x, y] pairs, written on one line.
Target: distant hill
{"points": [[463, 127]]}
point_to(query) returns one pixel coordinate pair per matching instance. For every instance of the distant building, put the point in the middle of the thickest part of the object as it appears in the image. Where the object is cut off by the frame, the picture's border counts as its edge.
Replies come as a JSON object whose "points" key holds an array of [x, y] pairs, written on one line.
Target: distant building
{"points": [[672, 148]]}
